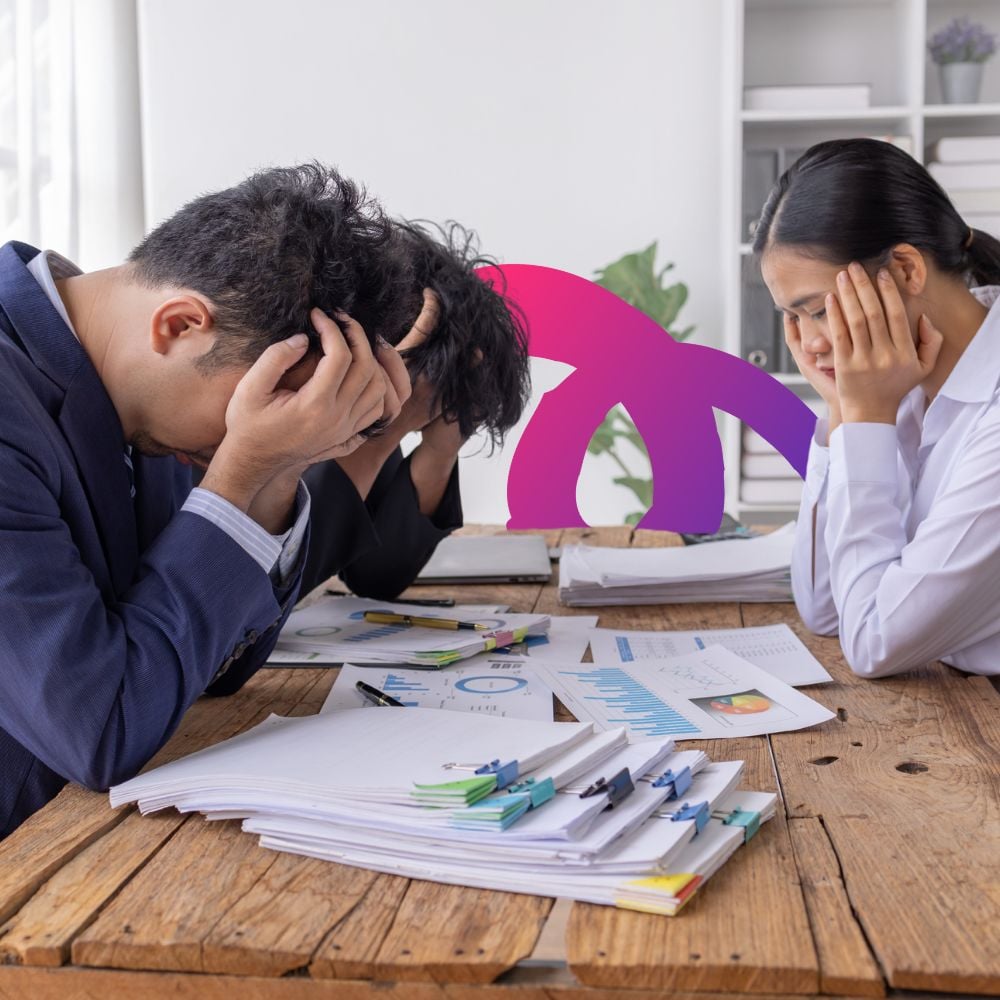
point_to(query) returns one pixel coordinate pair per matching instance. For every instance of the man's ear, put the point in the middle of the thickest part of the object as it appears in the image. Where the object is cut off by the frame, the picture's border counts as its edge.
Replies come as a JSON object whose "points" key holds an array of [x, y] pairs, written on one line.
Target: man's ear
{"points": [[909, 267], [184, 320]]}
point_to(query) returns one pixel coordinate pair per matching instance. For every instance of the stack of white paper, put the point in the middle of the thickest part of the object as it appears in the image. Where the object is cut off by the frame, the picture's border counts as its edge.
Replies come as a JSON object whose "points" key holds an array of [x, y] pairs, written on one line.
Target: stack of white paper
{"points": [[755, 569], [334, 630], [534, 807]]}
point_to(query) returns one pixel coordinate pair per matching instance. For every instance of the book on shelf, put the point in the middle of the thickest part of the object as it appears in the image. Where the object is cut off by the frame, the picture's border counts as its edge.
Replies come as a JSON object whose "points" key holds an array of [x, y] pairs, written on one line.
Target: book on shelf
{"points": [[767, 466], [987, 222], [966, 149], [965, 176], [981, 200], [808, 97], [783, 491]]}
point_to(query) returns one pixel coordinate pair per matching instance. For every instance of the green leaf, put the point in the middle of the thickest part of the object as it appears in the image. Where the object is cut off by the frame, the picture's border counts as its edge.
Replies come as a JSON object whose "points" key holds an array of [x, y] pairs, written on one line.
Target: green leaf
{"points": [[635, 279], [642, 488], [635, 518]]}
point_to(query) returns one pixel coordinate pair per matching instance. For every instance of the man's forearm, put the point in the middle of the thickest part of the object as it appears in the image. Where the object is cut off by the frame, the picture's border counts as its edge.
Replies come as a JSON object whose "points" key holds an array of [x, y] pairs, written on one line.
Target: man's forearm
{"points": [[431, 471]]}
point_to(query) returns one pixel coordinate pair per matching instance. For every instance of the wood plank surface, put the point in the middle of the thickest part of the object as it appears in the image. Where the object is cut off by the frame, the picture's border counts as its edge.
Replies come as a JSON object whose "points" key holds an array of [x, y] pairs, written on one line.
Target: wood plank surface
{"points": [[747, 930], [451, 934], [907, 781], [845, 961]]}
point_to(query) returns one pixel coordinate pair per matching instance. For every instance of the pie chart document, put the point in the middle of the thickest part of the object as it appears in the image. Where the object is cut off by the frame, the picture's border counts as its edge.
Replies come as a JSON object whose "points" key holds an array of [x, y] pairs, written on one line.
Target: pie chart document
{"points": [[710, 694], [503, 686]]}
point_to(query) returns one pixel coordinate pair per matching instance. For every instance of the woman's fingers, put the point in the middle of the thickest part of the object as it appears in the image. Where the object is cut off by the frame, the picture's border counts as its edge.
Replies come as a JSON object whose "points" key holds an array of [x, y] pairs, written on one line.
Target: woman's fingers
{"points": [[929, 348], [425, 322], [854, 315], [871, 307], [895, 313], [840, 337]]}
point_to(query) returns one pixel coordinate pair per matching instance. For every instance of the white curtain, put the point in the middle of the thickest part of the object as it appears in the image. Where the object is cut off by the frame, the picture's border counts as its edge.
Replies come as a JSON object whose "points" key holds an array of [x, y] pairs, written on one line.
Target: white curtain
{"points": [[70, 160]]}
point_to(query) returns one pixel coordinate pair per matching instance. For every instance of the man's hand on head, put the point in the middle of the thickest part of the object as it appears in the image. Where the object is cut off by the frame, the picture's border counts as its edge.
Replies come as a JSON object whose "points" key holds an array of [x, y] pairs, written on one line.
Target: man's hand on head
{"points": [[276, 433]]}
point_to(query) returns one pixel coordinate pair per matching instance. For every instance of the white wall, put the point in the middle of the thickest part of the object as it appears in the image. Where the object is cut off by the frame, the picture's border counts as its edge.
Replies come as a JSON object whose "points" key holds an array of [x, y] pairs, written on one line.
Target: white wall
{"points": [[567, 132]]}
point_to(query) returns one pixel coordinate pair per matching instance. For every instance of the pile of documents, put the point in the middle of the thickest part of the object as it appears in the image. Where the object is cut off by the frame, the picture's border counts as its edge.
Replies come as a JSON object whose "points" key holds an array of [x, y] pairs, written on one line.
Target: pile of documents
{"points": [[755, 569], [544, 808], [335, 630]]}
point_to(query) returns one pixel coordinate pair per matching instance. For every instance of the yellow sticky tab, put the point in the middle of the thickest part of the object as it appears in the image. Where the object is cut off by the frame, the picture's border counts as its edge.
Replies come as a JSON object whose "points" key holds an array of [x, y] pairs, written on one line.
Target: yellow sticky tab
{"points": [[672, 884]]}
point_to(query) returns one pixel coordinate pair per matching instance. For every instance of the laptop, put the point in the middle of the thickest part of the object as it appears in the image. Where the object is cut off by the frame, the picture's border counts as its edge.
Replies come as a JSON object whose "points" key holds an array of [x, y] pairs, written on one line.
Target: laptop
{"points": [[489, 559]]}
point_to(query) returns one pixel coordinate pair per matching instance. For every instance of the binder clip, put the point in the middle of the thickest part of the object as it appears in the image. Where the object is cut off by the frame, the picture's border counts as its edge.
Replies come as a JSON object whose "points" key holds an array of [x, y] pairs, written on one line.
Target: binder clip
{"points": [[699, 812], [506, 774], [681, 782], [538, 792], [750, 821], [619, 788]]}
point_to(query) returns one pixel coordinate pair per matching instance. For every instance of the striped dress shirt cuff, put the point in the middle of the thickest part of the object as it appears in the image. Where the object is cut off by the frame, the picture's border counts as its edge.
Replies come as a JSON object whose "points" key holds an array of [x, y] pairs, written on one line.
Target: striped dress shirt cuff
{"points": [[277, 555]]}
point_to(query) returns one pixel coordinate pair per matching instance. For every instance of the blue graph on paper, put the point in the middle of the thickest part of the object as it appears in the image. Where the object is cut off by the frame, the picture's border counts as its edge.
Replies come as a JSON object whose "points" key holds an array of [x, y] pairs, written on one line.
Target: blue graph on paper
{"points": [[398, 686], [629, 703]]}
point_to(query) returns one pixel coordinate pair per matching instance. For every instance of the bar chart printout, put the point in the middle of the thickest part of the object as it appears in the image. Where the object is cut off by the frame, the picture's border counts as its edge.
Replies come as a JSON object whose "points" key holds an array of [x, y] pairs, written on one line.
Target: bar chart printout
{"points": [[626, 702], [397, 687], [708, 694]]}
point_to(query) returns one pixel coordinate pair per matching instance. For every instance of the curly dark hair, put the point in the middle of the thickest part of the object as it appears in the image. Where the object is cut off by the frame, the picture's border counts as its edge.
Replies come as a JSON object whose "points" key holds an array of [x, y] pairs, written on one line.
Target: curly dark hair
{"points": [[269, 249], [477, 356]]}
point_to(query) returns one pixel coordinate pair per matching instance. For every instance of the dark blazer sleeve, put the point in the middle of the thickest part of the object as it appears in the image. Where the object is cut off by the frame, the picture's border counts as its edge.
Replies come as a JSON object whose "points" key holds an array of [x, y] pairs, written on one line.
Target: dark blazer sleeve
{"points": [[400, 539], [94, 687]]}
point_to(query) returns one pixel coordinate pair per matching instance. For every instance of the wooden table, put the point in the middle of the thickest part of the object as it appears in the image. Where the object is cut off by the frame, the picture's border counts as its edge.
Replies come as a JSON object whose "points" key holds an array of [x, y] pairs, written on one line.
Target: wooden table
{"points": [[880, 872]]}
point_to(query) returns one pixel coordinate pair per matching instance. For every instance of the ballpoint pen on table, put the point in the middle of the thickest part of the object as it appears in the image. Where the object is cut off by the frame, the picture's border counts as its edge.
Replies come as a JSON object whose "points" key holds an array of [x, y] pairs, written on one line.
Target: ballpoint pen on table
{"points": [[385, 618], [375, 696]]}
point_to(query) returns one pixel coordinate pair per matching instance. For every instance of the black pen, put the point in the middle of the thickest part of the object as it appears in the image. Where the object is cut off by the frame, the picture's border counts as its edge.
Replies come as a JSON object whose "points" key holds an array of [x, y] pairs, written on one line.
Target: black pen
{"points": [[426, 602], [375, 696]]}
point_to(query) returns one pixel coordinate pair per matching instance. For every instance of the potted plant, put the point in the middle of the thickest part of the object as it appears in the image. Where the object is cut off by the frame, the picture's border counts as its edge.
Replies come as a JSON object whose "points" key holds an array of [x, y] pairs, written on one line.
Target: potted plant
{"points": [[960, 49], [635, 279]]}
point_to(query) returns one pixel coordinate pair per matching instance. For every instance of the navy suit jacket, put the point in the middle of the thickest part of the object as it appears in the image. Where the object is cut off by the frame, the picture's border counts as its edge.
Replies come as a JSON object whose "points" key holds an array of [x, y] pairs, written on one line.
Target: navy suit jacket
{"points": [[115, 614]]}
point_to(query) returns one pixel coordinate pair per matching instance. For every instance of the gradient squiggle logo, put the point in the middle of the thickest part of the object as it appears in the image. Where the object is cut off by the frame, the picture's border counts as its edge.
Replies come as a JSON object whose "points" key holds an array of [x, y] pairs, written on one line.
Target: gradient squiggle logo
{"points": [[670, 388]]}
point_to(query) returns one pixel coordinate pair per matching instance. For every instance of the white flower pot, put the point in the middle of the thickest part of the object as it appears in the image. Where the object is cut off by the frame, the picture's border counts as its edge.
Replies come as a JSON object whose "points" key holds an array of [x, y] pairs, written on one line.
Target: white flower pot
{"points": [[960, 82]]}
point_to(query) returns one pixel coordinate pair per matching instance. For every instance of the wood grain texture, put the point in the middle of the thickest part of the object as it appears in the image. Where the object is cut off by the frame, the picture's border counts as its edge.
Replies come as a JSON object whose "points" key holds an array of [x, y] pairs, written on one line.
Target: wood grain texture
{"points": [[277, 926], [40, 933], [747, 930], [50, 839], [907, 780], [845, 960], [161, 919], [351, 948], [451, 934]]}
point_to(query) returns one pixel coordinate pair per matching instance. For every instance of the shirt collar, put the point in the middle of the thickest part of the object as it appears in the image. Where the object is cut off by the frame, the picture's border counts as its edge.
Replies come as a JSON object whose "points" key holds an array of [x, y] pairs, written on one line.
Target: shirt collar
{"points": [[974, 377]]}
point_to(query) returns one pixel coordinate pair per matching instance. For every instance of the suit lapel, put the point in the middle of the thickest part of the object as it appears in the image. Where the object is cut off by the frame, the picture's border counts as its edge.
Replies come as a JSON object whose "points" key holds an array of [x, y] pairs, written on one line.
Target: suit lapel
{"points": [[87, 419]]}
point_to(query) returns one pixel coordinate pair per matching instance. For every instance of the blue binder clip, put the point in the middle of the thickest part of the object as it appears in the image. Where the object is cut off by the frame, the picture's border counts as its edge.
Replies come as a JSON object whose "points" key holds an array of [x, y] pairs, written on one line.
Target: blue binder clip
{"points": [[699, 812], [538, 792], [506, 774], [750, 821], [681, 782], [618, 788]]}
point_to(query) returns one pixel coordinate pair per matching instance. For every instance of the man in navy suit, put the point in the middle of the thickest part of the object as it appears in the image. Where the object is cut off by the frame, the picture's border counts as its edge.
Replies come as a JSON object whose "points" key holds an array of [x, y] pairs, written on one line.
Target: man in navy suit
{"points": [[240, 337]]}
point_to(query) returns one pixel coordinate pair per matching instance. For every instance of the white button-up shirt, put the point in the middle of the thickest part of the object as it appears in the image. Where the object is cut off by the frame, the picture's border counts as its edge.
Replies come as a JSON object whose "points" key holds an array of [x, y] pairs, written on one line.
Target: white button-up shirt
{"points": [[898, 539]]}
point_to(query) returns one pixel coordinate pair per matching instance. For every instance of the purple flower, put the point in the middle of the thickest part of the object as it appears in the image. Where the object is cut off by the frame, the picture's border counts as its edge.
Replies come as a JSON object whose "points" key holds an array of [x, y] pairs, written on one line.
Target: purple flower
{"points": [[962, 41]]}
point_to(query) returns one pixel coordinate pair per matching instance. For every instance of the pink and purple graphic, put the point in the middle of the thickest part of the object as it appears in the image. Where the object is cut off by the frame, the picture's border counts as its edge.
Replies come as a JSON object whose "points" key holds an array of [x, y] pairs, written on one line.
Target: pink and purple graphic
{"points": [[668, 387]]}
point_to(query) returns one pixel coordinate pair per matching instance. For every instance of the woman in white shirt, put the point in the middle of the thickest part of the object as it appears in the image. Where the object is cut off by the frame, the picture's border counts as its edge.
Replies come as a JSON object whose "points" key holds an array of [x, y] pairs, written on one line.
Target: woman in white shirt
{"points": [[898, 537]]}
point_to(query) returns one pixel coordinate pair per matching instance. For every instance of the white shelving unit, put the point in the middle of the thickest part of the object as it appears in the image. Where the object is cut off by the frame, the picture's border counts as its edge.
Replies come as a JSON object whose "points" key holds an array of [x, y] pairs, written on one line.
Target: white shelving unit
{"points": [[793, 42]]}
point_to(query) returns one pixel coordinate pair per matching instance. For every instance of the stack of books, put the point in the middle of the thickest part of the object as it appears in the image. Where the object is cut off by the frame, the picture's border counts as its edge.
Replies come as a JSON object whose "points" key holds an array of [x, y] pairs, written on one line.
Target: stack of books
{"points": [[544, 808], [753, 569], [968, 168], [766, 477]]}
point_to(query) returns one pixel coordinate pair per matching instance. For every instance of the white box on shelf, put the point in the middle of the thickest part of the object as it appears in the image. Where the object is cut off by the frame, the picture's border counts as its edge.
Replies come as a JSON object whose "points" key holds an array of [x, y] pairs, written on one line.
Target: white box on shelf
{"points": [[985, 221], [965, 176], [772, 491], [965, 149], [982, 200], [808, 97], [767, 466]]}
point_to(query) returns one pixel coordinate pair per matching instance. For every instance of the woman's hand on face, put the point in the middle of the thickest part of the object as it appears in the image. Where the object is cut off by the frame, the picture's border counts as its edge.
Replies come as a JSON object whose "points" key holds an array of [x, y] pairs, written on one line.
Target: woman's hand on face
{"points": [[822, 383], [875, 358]]}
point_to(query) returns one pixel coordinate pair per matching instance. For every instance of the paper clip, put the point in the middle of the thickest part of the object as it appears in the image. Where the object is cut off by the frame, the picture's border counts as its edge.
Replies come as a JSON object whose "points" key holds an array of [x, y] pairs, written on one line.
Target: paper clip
{"points": [[750, 821], [506, 774], [681, 782], [538, 792], [617, 789], [698, 812]]}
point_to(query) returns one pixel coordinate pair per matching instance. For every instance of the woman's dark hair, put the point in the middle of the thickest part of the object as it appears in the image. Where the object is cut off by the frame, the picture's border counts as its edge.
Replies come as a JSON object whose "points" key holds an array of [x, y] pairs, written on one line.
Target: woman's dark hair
{"points": [[855, 199], [477, 356], [269, 249]]}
